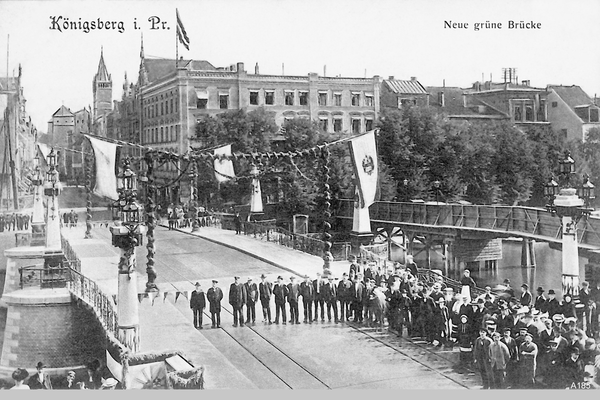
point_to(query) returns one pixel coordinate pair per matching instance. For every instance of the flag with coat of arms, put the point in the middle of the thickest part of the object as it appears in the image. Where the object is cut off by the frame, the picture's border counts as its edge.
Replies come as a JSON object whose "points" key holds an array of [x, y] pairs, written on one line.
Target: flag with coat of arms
{"points": [[363, 150]]}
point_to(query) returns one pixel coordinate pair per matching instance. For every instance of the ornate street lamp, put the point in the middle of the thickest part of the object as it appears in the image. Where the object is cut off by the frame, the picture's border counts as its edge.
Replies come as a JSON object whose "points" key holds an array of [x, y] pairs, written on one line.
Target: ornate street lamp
{"points": [[565, 204], [586, 191], [37, 217], [52, 189], [127, 233], [193, 198]]}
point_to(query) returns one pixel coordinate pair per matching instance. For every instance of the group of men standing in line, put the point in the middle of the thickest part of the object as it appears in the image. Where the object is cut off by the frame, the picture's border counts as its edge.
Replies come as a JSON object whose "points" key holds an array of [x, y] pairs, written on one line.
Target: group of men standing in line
{"points": [[14, 222]]}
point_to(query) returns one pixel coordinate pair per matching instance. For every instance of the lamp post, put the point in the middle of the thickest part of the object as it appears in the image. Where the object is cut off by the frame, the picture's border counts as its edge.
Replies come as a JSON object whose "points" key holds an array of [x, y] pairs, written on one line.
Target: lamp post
{"points": [[127, 234], [567, 205], [52, 189], [37, 218], [193, 197]]}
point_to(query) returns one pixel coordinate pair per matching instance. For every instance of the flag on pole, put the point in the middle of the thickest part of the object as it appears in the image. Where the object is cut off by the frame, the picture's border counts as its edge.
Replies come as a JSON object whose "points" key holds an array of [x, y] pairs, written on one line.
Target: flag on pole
{"points": [[223, 167], [364, 159], [106, 158], [181, 33]]}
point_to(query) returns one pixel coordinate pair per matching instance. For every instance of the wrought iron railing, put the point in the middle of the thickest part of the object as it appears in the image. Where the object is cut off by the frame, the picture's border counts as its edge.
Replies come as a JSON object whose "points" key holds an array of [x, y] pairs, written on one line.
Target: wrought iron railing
{"points": [[90, 293], [267, 231], [44, 277]]}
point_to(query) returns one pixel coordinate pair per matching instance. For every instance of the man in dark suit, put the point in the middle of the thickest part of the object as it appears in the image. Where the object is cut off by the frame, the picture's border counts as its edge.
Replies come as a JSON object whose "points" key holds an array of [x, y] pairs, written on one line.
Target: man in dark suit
{"points": [[307, 291], [293, 295], [214, 296], [251, 299], [40, 380], [319, 290], [540, 302], [331, 299], [553, 306], [345, 297], [198, 304], [357, 293], [237, 299], [280, 291], [265, 289]]}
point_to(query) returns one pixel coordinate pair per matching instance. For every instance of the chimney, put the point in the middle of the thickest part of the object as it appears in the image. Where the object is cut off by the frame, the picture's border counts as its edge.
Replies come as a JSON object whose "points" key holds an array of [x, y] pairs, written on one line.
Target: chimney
{"points": [[413, 78], [525, 82], [324, 70], [391, 77], [441, 99], [256, 69], [240, 67], [282, 69]]}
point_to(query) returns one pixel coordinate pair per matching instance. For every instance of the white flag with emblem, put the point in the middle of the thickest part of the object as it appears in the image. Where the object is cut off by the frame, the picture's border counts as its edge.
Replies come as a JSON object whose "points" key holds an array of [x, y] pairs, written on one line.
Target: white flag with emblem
{"points": [[106, 157], [223, 167], [363, 150]]}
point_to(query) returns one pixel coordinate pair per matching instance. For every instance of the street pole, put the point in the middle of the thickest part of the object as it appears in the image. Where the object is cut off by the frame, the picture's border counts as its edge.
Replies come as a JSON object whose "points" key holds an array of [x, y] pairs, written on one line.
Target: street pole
{"points": [[193, 197]]}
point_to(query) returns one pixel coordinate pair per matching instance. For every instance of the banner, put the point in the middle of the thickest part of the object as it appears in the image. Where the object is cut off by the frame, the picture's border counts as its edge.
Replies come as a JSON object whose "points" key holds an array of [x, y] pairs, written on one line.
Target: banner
{"points": [[181, 33], [223, 168], [45, 150], [363, 150], [106, 158]]}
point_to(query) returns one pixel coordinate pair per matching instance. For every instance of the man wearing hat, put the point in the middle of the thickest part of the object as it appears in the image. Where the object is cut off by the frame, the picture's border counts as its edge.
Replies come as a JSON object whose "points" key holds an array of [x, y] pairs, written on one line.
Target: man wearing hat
{"points": [[40, 380], [198, 304], [280, 292], [357, 293], [541, 301], [214, 296], [573, 369], [319, 290], [345, 297], [251, 299], [527, 353], [553, 305], [481, 357], [265, 289], [237, 299], [513, 351], [308, 296], [68, 382], [500, 358], [525, 298], [293, 296], [330, 298]]}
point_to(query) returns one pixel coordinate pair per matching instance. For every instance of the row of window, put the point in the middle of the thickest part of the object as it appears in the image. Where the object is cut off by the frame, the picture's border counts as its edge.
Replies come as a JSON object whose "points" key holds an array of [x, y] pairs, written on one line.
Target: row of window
{"points": [[337, 125], [164, 134], [164, 104]]}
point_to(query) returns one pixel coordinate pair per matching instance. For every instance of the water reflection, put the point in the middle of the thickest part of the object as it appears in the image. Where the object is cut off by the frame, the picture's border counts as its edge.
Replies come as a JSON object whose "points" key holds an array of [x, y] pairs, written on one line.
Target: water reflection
{"points": [[546, 273]]}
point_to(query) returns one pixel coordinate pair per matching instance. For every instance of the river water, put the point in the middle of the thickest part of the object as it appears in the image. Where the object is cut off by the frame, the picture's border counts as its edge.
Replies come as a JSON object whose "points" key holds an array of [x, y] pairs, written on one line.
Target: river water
{"points": [[546, 273]]}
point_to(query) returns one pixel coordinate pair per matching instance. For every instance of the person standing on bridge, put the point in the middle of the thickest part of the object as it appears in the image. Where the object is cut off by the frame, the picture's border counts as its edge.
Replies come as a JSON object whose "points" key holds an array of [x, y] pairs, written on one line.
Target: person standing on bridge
{"points": [[467, 283], [293, 296], [307, 292], [330, 296], [319, 291], [251, 299], [265, 289], [237, 299], [198, 304], [526, 297], [215, 295], [345, 297], [280, 291]]}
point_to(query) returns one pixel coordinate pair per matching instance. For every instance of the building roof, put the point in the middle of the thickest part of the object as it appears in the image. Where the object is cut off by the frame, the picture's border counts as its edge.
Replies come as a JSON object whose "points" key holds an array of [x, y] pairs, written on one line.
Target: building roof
{"points": [[102, 74], [405, 87], [454, 103], [573, 95], [157, 68], [63, 112]]}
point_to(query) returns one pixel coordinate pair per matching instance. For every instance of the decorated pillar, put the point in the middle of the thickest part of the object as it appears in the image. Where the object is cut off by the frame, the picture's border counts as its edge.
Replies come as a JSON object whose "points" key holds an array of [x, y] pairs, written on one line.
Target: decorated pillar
{"points": [[52, 189], [327, 256], [38, 224], [150, 223], [567, 204], [256, 205]]}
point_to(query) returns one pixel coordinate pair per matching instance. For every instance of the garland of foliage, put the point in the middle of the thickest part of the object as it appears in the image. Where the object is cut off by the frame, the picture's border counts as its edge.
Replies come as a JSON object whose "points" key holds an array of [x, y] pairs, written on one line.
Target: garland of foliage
{"points": [[192, 379]]}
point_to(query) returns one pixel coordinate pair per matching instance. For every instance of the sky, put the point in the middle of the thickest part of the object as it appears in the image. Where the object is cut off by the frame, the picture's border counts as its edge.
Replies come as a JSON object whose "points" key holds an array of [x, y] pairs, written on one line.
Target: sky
{"points": [[352, 38]]}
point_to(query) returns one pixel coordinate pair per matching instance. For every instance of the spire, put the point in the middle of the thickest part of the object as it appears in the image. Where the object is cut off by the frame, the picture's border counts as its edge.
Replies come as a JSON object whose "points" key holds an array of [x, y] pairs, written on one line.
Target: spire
{"points": [[102, 74], [143, 74]]}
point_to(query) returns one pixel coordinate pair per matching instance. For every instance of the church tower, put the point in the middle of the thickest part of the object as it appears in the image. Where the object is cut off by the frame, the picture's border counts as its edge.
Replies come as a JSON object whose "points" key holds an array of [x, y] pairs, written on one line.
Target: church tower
{"points": [[102, 88]]}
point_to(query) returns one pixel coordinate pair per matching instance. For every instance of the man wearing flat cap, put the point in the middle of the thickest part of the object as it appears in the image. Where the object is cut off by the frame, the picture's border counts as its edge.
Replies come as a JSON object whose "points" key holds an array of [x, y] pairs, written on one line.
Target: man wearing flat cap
{"points": [[40, 380], [237, 299], [214, 296], [198, 304]]}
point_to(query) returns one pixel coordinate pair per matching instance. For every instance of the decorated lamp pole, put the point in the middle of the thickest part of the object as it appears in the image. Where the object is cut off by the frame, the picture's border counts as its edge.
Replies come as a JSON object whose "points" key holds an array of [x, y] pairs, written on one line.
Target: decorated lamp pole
{"points": [[88, 185], [127, 234], [150, 223], [193, 197], [570, 208], [37, 218], [52, 189], [327, 256]]}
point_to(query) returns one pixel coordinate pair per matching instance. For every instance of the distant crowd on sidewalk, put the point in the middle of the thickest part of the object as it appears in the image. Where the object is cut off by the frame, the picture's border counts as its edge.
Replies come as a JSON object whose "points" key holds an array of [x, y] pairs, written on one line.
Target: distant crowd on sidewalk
{"points": [[512, 339], [14, 221]]}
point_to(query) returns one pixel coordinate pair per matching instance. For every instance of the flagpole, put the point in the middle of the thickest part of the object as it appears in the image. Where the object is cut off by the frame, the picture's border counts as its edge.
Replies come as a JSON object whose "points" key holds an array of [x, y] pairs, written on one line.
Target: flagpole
{"points": [[176, 45]]}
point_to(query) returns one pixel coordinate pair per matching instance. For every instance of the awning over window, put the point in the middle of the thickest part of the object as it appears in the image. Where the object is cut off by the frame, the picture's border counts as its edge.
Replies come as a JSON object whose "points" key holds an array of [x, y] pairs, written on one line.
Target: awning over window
{"points": [[202, 93]]}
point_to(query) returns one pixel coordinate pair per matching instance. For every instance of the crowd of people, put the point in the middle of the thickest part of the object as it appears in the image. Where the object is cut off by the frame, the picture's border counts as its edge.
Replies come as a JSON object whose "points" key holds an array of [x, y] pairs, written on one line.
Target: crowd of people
{"points": [[14, 222], [95, 377], [179, 216], [70, 219], [512, 339]]}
